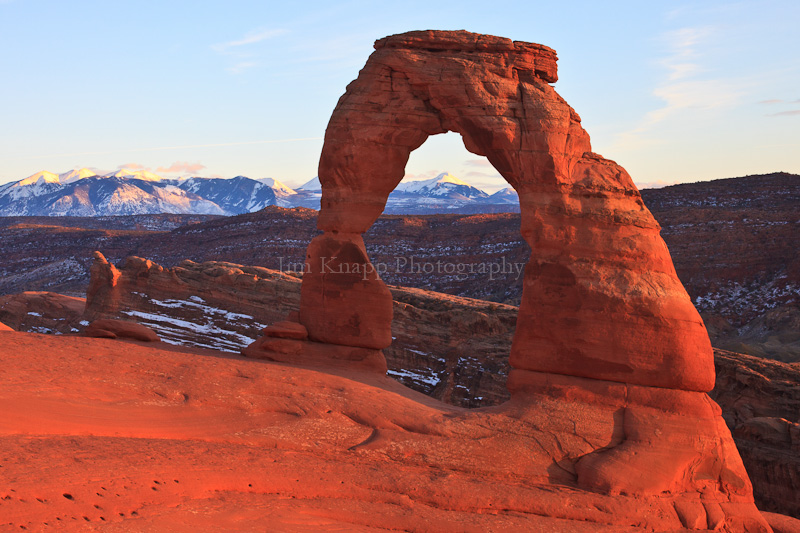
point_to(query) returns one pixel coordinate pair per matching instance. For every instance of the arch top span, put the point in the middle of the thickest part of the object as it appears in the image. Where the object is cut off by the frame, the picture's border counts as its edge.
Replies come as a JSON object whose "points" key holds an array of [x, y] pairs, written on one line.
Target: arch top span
{"points": [[494, 92], [531, 57], [600, 295]]}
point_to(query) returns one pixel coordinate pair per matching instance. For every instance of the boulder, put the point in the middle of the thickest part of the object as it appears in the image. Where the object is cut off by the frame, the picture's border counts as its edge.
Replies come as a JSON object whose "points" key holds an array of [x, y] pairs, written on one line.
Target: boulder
{"points": [[112, 329], [286, 330]]}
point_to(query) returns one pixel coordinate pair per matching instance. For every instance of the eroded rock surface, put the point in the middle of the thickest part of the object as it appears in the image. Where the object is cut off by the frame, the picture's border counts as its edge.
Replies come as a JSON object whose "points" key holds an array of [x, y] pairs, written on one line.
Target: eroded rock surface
{"points": [[601, 298], [603, 319]]}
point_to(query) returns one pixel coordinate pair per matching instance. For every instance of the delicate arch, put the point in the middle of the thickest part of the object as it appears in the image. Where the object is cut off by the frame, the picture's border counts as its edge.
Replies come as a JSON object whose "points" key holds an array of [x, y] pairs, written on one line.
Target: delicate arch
{"points": [[600, 296]]}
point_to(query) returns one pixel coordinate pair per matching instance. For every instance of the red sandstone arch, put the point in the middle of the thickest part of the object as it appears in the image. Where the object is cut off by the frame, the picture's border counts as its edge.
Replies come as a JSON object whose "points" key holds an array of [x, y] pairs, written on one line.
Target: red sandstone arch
{"points": [[600, 297]]}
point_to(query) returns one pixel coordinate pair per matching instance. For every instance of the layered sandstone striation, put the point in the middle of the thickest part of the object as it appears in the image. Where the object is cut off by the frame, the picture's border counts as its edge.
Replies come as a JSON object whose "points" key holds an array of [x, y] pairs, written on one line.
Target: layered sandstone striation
{"points": [[760, 401]]}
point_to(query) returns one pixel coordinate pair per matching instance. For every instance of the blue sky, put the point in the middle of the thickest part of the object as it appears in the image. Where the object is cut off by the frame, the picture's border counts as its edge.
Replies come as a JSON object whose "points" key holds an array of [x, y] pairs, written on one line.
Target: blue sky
{"points": [[674, 92]]}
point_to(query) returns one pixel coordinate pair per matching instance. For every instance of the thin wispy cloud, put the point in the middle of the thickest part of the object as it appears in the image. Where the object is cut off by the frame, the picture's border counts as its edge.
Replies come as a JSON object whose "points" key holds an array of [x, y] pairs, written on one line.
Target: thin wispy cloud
{"points": [[250, 38], [181, 167], [478, 162], [242, 66], [791, 112], [682, 61], [241, 51], [785, 113], [133, 166], [683, 87]]}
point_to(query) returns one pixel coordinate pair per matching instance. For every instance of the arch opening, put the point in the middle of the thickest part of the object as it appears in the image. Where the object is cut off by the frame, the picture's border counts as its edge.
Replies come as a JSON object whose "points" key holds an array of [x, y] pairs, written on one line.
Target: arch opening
{"points": [[453, 347]]}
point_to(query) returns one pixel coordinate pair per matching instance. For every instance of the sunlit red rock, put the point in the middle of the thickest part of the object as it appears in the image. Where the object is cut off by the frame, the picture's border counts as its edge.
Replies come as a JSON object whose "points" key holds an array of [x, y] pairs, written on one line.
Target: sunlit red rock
{"points": [[601, 298], [287, 329], [343, 300]]}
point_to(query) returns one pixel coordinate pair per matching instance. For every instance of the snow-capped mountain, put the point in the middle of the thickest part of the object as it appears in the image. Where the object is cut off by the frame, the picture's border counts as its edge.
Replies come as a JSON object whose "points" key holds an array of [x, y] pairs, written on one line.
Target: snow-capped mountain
{"points": [[236, 195], [504, 196], [283, 194], [445, 185], [442, 194], [308, 194], [311, 185], [277, 186], [101, 196], [83, 192], [75, 175]]}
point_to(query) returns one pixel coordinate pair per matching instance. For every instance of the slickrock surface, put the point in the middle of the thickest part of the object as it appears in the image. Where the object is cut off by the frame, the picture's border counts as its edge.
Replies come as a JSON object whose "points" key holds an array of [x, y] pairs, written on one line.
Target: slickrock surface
{"points": [[113, 436]]}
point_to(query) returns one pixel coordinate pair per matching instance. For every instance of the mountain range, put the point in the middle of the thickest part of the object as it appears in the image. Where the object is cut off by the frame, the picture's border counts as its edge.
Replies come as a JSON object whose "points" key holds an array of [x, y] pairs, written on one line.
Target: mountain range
{"points": [[85, 193]]}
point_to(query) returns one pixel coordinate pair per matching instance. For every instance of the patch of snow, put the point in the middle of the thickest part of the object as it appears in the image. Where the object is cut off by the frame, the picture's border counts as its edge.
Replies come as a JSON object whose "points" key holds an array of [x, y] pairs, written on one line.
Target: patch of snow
{"points": [[414, 376], [74, 175], [277, 186], [312, 185], [420, 185]]}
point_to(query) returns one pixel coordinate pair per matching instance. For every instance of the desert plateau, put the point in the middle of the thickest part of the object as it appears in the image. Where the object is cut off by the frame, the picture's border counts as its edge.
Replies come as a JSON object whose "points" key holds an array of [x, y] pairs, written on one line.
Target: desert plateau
{"points": [[370, 353]]}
